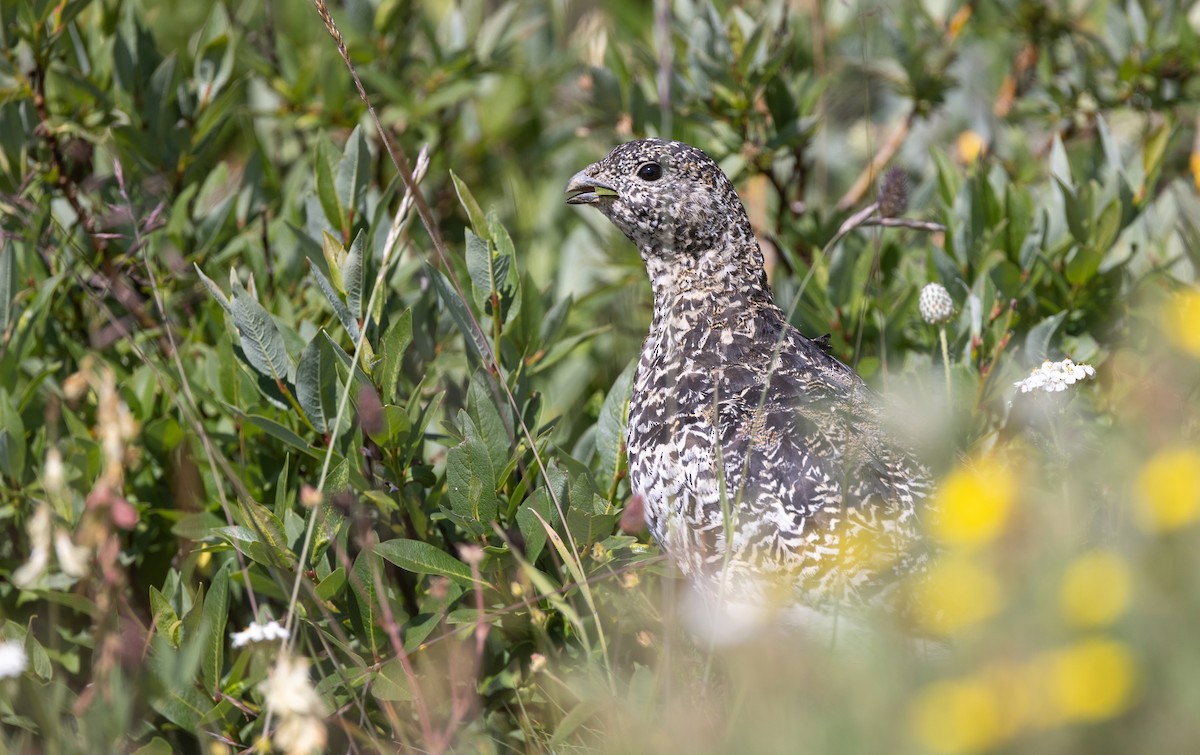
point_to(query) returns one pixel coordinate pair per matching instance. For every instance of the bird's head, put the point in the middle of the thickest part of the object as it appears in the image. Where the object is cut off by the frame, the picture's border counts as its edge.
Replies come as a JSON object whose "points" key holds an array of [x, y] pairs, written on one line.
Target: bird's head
{"points": [[673, 202]]}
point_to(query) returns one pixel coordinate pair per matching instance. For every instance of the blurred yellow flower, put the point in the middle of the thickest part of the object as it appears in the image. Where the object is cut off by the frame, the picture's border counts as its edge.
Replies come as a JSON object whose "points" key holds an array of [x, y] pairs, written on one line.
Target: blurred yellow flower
{"points": [[970, 146], [958, 21], [1095, 589], [1168, 489], [1181, 321], [1091, 680], [957, 716], [1194, 164], [973, 503], [955, 593]]}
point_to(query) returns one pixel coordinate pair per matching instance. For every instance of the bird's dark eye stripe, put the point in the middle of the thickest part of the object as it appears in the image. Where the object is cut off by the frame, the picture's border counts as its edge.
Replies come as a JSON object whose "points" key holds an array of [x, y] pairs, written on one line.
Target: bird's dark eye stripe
{"points": [[649, 171]]}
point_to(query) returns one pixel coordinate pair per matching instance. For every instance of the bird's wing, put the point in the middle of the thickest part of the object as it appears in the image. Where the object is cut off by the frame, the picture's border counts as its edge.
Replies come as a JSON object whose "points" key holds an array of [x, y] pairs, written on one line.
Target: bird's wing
{"points": [[814, 455]]}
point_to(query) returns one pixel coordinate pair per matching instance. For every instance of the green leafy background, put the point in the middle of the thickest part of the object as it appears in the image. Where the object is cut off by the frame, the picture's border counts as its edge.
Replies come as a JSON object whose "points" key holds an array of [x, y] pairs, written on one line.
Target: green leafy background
{"points": [[282, 387]]}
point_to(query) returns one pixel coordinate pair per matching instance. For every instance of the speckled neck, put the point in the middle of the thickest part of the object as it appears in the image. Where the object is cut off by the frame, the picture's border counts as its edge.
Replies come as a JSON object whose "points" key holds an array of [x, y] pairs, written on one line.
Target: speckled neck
{"points": [[728, 275]]}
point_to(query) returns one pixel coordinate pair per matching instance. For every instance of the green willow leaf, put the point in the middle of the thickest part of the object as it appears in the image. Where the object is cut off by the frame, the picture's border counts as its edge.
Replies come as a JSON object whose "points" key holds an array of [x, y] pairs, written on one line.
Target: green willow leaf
{"points": [[474, 212], [327, 192], [354, 276], [261, 340], [476, 342], [216, 614], [420, 557], [353, 175], [317, 383], [395, 341]]}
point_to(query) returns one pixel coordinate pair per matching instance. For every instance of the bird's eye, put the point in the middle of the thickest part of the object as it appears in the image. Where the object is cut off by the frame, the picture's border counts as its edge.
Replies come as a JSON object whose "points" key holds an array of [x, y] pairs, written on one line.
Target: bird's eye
{"points": [[649, 172]]}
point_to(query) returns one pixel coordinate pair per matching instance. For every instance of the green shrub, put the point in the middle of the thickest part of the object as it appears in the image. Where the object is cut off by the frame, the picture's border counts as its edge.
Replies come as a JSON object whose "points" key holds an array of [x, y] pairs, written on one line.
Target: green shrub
{"points": [[247, 375]]}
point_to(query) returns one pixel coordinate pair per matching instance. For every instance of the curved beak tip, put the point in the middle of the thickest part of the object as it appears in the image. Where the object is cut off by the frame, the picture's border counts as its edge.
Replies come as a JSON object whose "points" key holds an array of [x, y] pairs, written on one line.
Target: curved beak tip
{"points": [[587, 189]]}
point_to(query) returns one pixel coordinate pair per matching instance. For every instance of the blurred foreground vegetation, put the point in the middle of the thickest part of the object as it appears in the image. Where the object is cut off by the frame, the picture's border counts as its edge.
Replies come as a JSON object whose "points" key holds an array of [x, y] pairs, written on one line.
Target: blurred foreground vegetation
{"points": [[245, 375]]}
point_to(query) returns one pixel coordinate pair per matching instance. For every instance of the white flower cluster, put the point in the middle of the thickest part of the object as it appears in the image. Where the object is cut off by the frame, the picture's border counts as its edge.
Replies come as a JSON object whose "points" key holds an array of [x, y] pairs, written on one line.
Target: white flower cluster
{"points": [[272, 631], [12, 659], [290, 695], [1055, 376]]}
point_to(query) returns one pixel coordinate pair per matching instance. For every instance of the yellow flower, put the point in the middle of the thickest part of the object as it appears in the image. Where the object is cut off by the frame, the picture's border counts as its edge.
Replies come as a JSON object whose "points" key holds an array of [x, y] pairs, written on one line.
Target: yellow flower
{"points": [[1194, 164], [1091, 680], [973, 504], [957, 716], [1095, 589], [958, 21], [1181, 321], [970, 146], [955, 593], [1168, 488]]}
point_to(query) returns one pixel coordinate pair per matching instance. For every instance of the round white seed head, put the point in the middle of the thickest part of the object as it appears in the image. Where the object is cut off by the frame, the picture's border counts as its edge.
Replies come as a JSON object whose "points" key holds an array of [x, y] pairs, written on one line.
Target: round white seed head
{"points": [[935, 304]]}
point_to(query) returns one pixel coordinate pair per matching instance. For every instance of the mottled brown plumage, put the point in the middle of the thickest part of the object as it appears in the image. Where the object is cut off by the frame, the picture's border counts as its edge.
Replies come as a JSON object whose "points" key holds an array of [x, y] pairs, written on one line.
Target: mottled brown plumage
{"points": [[763, 460]]}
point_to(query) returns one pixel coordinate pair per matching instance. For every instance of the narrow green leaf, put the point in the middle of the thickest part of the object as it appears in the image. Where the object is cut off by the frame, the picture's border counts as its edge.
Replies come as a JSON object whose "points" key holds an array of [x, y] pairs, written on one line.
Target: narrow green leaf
{"points": [[548, 590], [165, 618], [507, 290], [261, 339], [354, 275], [1037, 343], [269, 529], [575, 567], [348, 321], [479, 267], [329, 520], [1060, 166], [317, 383], [564, 347], [391, 683], [353, 175], [1155, 149], [492, 30], [949, 180], [12, 438], [575, 718], [215, 290], [476, 342], [335, 213], [610, 425], [420, 557], [156, 746], [471, 475], [532, 532], [395, 341], [346, 361], [334, 254], [7, 265], [216, 613], [486, 405], [474, 213], [1107, 226], [279, 432], [184, 706], [329, 587], [364, 614]]}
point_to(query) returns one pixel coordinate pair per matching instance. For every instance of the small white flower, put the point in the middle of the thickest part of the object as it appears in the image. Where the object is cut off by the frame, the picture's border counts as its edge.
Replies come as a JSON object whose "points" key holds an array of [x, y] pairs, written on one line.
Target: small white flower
{"points": [[40, 529], [289, 691], [272, 631], [54, 474], [73, 559], [12, 659], [289, 694], [935, 304], [1053, 377]]}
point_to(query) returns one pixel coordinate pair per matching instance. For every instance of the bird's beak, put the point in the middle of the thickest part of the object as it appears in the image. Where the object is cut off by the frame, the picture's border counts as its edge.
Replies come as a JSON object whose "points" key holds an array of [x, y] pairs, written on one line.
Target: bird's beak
{"points": [[586, 189]]}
